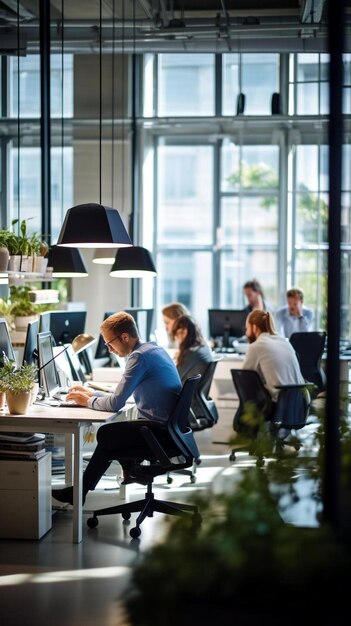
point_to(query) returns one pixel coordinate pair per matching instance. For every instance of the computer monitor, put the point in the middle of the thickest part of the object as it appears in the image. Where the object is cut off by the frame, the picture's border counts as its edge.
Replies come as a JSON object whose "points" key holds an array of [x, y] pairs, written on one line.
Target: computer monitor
{"points": [[30, 353], [5, 342], [66, 325], [77, 373], [44, 322], [48, 374], [144, 320], [227, 324], [101, 351]]}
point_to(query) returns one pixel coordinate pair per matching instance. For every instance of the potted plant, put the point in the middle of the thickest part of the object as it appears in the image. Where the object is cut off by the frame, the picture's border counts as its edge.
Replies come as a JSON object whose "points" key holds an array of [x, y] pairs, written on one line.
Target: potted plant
{"points": [[39, 248], [245, 565], [18, 386], [4, 251], [6, 312], [6, 368], [23, 310]]}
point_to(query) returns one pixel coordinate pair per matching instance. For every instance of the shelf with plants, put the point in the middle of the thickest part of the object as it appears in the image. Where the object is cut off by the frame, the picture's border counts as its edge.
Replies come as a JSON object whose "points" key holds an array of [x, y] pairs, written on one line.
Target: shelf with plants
{"points": [[22, 253]]}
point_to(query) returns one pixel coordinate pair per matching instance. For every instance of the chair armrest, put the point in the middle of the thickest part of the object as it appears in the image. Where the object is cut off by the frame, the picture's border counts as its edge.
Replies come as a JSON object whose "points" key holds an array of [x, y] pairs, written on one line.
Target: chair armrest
{"points": [[155, 446]]}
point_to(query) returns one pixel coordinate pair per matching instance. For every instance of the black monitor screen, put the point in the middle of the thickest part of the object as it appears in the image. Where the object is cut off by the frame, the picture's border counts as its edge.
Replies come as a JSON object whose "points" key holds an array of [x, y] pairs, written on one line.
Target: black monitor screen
{"points": [[5, 341], [101, 350], [144, 320], [49, 378], [30, 354], [66, 325], [226, 323]]}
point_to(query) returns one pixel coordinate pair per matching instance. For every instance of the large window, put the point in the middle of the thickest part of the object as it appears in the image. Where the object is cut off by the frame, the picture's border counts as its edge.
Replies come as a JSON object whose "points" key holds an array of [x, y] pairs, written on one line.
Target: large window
{"points": [[256, 76], [186, 84]]}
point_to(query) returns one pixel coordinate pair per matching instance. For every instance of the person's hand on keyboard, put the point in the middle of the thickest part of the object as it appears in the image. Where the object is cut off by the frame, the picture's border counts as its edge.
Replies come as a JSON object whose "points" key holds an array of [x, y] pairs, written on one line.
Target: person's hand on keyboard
{"points": [[79, 394]]}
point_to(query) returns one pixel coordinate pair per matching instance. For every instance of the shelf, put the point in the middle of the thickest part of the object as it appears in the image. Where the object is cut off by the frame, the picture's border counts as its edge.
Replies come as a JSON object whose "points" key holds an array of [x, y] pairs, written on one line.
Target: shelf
{"points": [[16, 278]]}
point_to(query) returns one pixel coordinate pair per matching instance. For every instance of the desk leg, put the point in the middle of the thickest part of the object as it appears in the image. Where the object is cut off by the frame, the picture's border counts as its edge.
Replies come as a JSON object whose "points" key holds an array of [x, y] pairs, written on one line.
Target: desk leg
{"points": [[68, 459], [78, 486]]}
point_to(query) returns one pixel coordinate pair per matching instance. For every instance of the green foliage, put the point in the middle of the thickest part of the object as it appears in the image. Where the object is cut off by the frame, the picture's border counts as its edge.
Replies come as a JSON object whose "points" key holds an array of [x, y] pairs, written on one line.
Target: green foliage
{"points": [[244, 558], [19, 380], [23, 243], [6, 369], [21, 303], [244, 561]]}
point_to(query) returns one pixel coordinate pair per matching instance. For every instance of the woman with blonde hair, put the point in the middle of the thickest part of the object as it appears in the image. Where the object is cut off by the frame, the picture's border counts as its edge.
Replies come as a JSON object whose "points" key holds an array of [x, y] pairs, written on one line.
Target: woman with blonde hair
{"points": [[170, 313], [271, 355]]}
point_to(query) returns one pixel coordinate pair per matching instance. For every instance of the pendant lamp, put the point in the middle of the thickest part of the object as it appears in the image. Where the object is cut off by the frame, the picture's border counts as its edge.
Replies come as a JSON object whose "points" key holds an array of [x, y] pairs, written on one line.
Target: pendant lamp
{"points": [[93, 226], [104, 256], [67, 263], [134, 262]]}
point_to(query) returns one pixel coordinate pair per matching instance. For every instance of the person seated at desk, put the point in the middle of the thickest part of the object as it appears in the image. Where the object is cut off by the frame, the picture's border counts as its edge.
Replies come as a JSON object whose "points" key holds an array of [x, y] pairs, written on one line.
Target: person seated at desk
{"points": [[152, 377], [170, 313], [254, 295], [294, 317], [193, 355], [269, 354]]}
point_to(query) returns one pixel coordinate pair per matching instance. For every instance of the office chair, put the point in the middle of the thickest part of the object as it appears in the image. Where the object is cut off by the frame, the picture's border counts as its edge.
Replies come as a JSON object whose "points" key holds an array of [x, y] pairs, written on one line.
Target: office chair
{"points": [[284, 417], [309, 348], [180, 454], [207, 414]]}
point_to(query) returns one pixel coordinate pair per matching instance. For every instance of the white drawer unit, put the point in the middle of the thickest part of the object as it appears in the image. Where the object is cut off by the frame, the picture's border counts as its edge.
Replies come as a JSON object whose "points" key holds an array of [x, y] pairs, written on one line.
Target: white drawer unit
{"points": [[25, 498]]}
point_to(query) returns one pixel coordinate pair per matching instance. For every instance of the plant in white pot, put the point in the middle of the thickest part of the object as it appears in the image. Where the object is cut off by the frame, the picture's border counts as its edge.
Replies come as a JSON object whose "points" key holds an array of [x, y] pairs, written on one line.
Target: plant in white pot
{"points": [[18, 389]]}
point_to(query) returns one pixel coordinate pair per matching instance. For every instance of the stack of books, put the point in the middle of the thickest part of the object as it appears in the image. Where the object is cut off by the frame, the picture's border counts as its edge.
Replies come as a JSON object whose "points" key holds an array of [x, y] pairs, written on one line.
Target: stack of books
{"points": [[22, 446]]}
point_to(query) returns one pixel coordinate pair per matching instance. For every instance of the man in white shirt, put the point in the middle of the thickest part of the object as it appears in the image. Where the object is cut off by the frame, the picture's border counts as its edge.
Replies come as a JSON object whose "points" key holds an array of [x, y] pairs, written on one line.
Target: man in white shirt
{"points": [[272, 356], [294, 317]]}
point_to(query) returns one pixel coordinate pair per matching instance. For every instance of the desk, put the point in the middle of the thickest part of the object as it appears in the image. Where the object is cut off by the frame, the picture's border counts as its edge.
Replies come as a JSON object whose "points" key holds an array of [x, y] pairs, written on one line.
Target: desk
{"points": [[68, 421]]}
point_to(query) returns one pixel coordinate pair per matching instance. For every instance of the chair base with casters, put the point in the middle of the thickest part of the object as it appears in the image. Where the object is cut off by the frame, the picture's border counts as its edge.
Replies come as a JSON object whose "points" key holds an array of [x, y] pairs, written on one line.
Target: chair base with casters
{"points": [[146, 508], [179, 454], [280, 420]]}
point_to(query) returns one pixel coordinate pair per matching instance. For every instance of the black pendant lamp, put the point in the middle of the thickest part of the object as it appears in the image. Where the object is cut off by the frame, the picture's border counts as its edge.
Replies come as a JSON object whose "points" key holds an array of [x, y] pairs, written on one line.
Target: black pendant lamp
{"points": [[135, 262], [93, 226], [66, 263]]}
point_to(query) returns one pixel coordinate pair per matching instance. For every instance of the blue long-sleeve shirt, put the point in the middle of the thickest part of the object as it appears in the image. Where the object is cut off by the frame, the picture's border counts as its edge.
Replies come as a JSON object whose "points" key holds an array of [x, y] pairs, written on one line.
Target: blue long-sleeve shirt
{"points": [[151, 377]]}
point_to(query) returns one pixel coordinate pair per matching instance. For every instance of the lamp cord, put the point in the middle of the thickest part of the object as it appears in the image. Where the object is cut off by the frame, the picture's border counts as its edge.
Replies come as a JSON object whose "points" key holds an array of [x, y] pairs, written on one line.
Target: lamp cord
{"points": [[62, 105], [123, 102], [18, 119], [113, 105], [100, 104]]}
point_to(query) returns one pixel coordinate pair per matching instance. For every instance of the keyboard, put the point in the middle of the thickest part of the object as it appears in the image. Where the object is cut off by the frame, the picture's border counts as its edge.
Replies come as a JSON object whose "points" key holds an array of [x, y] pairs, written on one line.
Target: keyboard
{"points": [[63, 403]]}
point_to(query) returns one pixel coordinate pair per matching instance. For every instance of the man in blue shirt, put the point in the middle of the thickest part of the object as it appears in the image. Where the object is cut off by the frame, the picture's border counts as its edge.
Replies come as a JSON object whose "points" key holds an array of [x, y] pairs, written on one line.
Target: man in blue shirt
{"points": [[152, 377], [294, 317]]}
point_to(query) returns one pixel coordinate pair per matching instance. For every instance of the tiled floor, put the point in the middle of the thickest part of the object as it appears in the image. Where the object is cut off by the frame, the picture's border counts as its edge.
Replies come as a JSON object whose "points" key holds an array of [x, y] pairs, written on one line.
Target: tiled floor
{"points": [[54, 582]]}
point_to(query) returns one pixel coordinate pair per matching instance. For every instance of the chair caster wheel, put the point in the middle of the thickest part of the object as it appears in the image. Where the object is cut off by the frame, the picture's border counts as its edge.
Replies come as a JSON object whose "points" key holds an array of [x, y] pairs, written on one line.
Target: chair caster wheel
{"points": [[92, 522], [169, 480], [126, 515], [193, 479], [232, 456], [135, 532]]}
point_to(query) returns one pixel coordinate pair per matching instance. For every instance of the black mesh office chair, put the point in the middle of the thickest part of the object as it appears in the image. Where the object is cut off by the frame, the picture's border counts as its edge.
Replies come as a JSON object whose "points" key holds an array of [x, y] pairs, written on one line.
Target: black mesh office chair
{"points": [[287, 415], [309, 348], [178, 455], [207, 414]]}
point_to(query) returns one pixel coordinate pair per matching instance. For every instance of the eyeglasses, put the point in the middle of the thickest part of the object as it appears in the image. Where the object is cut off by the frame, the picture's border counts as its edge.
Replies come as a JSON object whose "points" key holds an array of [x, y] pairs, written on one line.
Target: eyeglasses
{"points": [[107, 343]]}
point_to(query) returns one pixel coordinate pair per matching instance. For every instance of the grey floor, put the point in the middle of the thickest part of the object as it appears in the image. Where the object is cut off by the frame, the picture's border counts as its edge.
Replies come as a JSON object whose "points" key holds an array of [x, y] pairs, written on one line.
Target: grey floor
{"points": [[52, 581]]}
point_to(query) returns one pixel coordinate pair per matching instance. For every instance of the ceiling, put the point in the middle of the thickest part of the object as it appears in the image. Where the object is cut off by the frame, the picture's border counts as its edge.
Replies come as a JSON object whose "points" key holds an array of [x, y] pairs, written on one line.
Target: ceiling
{"points": [[171, 25]]}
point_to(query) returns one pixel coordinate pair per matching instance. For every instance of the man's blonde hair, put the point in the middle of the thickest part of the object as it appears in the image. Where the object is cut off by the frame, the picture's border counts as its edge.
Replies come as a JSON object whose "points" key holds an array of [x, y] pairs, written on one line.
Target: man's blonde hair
{"points": [[119, 323]]}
